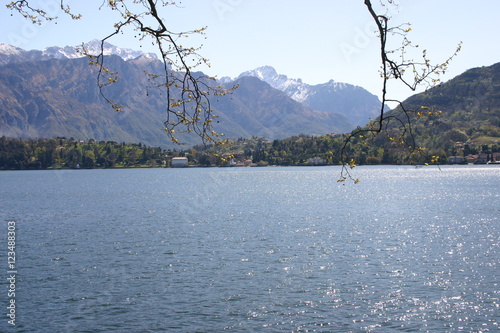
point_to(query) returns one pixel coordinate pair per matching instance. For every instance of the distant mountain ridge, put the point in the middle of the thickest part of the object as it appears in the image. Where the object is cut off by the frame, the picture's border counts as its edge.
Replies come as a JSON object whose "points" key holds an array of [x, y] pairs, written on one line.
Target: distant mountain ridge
{"points": [[355, 103], [52, 92], [294, 88], [9, 53], [245, 107]]}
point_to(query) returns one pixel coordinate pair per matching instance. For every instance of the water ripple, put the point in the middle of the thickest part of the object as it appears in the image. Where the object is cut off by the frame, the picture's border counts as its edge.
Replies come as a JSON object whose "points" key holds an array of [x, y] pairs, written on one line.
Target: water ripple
{"points": [[276, 249]]}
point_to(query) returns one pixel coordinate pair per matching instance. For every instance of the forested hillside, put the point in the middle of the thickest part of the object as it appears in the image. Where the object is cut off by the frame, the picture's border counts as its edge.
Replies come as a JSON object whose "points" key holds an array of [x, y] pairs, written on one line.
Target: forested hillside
{"points": [[470, 111], [20, 154]]}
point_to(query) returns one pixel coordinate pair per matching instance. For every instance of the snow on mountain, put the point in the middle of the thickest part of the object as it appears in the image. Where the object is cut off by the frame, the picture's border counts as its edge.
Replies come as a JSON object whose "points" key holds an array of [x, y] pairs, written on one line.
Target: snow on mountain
{"points": [[354, 102], [93, 47], [7, 49], [9, 53], [67, 52], [295, 88]]}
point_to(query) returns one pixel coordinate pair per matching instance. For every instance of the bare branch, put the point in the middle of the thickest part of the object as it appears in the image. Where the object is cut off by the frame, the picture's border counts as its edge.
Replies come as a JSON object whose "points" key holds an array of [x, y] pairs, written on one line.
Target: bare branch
{"points": [[188, 94], [421, 73], [188, 106], [38, 15]]}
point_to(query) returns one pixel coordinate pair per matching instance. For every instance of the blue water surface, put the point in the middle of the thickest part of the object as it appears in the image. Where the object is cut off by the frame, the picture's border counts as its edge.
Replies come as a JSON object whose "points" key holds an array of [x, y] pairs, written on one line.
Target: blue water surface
{"points": [[254, 250]]}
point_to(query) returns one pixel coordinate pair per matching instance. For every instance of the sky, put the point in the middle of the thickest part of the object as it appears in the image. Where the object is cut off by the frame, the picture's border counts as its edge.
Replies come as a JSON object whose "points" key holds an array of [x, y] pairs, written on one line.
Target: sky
{"points": [[314, 40]]}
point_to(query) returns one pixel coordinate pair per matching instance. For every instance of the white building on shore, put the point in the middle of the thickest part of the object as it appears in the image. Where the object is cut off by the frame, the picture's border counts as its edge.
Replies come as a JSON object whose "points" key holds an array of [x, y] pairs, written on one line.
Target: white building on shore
{"points": [[179, 162]]}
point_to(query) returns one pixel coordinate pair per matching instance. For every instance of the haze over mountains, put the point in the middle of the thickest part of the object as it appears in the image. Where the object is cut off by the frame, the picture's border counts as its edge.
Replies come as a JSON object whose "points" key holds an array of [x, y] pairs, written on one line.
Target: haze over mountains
{"points": [[53, 92]]}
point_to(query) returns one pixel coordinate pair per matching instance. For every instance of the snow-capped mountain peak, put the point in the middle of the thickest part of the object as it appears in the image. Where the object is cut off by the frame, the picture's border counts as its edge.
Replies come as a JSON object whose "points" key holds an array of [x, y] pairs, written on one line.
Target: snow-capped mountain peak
{"points": [[93, 47], [294, 88], [7, 49], [268, 74], [354, 102], [264, 72], [67, 52], [9, 53]]}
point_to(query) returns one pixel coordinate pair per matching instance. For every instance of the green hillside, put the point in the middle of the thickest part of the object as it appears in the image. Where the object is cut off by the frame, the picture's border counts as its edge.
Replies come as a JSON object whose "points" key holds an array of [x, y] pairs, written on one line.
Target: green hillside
{"points": [[458, 118], [470, 105]]}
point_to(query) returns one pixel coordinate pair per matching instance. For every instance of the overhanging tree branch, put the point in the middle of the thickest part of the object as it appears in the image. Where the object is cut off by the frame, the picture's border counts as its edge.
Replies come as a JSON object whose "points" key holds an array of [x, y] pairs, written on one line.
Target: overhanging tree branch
{"points": [[38, 15], [188, 105], [410, 73]]}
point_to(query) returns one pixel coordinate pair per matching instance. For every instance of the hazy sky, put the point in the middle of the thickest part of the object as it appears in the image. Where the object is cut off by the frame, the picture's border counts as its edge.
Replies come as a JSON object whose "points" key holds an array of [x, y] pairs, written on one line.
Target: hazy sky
{"points": [[315, 40]]}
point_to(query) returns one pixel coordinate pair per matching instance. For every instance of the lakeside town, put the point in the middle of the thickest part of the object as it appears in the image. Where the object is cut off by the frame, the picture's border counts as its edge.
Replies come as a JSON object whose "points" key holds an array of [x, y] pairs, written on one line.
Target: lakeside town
{"points": [[21, 154]]}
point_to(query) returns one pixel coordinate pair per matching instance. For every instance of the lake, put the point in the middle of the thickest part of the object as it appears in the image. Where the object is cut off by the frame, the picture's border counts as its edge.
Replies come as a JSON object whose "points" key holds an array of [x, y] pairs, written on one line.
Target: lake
{"points": [[253, 250]]}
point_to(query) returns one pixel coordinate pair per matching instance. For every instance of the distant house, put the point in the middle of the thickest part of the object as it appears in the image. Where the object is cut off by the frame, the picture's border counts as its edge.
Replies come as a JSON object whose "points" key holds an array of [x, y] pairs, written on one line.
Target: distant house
{"points": [[179, 162], [482, 158], [456, 160], [244, 163], [316, 161], [471, 159]]}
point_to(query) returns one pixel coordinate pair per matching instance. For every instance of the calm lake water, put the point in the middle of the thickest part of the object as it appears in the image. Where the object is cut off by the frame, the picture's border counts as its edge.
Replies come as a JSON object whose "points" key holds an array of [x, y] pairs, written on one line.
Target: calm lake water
{"points": [[253, 250]]}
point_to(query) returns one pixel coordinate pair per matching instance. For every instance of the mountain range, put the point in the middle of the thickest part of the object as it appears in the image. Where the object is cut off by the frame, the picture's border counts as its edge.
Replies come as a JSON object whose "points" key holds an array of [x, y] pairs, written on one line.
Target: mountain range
{"points": [[53, 92], [9, 53], [353, 102]]}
